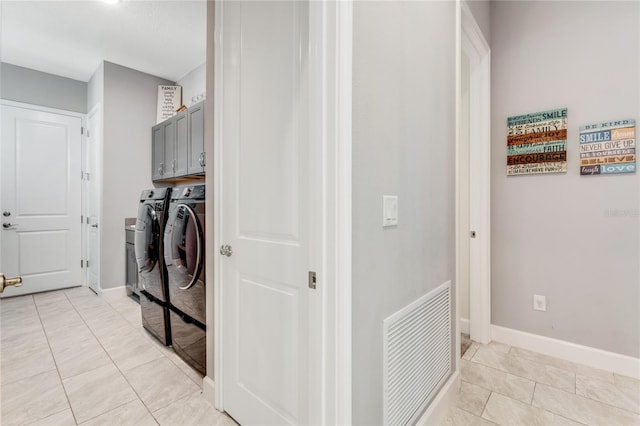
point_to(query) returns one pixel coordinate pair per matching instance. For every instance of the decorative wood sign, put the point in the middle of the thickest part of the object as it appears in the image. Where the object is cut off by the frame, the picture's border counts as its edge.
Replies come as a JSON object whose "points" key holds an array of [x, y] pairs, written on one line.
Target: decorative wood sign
{"points": [[537, 143], [608, 148], [169, 100]]}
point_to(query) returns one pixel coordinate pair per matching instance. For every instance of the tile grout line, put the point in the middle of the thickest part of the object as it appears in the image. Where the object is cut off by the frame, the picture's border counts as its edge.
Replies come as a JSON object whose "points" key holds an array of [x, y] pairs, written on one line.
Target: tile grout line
{"points": [[155, 342], [533, 394], [115, 408], [64, 389], [51, 415], [595, 400], [111, 359], [42, 372], [576, 364], [551, 386], [491, 391], [484, 407], [535, 387], [504, 372], [117, 367], [527, 361]]}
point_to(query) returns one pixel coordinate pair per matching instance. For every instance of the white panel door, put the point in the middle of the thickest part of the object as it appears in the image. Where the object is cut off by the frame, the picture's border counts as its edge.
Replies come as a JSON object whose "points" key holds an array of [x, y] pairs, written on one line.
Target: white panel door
{"points": [[266, 218], [40, 160], [93, 199]]}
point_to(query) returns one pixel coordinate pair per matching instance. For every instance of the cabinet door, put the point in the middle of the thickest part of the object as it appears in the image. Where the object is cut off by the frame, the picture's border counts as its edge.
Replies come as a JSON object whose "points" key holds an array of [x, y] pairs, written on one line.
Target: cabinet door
{"points": [[157, 152], [181, 151], [196, 139], [169, 134], [131, 268]]}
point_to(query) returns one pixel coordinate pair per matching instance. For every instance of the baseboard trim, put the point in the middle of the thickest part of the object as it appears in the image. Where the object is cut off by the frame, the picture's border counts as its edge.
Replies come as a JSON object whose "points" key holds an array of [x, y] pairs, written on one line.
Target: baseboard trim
{"points": [[438, 408], [209, 390], [592, 357], [464, 326], [114, 293]]}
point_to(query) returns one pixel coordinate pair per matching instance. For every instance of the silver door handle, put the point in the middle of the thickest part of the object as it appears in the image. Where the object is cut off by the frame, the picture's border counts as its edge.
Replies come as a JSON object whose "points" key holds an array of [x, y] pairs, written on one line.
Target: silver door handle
{"points": [[6, 214], [8, 225], [226, 250]]}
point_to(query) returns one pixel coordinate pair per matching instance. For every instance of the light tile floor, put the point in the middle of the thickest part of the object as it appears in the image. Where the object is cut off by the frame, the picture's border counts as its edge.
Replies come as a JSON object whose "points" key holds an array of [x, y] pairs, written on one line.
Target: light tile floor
{"points": [[511, 386], [70, 357]]}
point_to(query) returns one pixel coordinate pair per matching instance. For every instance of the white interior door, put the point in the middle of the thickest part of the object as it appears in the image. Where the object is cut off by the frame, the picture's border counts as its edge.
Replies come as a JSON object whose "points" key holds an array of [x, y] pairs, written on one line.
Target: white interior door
{"points": [[266, 214], [40, 159], [464, 196], [476, 231], [92, 179]]}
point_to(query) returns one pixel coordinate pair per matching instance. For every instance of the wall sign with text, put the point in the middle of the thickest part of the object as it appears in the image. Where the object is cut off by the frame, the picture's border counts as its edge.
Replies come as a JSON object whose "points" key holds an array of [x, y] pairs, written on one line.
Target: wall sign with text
{"points": [[608, 148], [169, 100], [537, 143]]}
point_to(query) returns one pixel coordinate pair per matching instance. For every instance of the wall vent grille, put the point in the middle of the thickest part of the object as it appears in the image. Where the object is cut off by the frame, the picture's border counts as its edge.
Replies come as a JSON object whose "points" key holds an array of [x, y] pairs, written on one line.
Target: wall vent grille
{"points": [[417, 355]]}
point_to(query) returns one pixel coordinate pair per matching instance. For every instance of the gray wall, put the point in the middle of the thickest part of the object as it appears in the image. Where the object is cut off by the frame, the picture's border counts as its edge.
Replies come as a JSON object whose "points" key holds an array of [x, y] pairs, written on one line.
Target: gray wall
{"points": [[193, 83], [403, 144], [481, 11], [95, 88], [573, 239], [129, 113], [39, 88]]}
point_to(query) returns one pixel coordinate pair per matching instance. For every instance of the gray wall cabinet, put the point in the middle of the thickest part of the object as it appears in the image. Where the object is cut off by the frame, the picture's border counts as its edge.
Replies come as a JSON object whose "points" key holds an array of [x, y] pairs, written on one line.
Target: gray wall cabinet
{"points": [[157, 152], [177, 145], [182, 142], [196, 139]]}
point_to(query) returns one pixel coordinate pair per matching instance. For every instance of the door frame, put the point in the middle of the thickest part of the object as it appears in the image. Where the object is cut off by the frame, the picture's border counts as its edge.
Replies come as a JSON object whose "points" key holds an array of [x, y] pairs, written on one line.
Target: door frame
{"points": [[472, 41], [97, 175], [334, 20], [83, 124]]}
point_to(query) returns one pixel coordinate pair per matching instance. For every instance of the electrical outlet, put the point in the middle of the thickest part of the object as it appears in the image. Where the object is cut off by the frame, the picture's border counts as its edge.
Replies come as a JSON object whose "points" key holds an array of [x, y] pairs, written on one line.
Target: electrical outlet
{"points": [[539, 302]]}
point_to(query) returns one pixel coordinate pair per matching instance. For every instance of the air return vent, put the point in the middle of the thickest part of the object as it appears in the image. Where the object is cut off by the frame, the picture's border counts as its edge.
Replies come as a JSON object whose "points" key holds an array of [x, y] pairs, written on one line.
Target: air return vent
{"points": [[417, 355]]}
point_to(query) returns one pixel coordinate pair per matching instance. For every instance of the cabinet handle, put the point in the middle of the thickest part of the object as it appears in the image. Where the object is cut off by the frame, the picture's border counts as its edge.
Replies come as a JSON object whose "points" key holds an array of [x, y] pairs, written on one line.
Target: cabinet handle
{"points": [[161, 169], [173, 166], [202, 160]]}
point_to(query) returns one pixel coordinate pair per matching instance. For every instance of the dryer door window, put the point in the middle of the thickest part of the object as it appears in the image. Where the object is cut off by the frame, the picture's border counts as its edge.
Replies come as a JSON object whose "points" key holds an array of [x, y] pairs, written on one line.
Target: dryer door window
{"points": [[184, 248], [147, 239]]}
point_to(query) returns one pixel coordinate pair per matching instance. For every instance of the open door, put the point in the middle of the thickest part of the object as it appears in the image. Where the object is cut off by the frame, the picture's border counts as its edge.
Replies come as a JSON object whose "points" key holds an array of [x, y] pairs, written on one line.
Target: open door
{"points": [[93, 198]]}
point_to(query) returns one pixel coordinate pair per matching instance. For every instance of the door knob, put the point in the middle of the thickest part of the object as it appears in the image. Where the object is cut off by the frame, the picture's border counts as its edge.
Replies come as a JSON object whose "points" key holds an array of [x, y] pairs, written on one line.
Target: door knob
{"points": [[226, 250], [7, 225], [6, 282], [6, 214]]}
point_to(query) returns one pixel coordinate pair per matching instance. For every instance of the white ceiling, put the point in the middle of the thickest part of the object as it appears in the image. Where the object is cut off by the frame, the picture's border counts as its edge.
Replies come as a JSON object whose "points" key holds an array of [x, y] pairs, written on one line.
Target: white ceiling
{"points": [[71, 38]]}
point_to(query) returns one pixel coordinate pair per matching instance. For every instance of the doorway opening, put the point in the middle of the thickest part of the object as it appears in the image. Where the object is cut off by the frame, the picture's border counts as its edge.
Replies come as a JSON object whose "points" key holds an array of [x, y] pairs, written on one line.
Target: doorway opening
{"points": [[473, 183]]}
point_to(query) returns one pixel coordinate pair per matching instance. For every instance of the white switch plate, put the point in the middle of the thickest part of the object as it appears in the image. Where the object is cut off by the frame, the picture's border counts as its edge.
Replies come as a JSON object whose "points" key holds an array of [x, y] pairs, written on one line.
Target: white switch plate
{"points": [[539, 302], [389, 210]]}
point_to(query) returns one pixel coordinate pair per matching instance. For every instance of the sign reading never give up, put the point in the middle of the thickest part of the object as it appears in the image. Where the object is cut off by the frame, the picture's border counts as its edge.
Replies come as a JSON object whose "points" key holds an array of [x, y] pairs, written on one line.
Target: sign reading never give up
{"points": [[608, 148], [537, 143]]}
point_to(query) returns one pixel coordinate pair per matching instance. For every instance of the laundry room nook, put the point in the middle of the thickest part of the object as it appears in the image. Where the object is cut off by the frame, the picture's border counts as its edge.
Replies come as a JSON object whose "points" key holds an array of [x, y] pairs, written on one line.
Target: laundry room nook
{"points": [[104, 315]]}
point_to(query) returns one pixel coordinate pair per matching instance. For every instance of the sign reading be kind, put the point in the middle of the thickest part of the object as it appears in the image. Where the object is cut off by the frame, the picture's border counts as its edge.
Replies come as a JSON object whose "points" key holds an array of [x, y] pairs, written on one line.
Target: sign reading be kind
{"points": [[608, 148]]}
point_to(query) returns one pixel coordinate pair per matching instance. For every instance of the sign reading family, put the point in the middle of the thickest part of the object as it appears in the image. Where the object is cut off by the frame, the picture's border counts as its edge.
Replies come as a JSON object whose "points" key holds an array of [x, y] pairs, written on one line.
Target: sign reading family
{"points": [[608, 148], [537, 143]]}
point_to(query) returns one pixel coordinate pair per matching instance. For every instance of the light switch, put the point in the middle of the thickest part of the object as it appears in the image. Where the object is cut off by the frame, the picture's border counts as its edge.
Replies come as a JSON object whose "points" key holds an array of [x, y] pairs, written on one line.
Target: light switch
{"points": [[389, 210]]}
